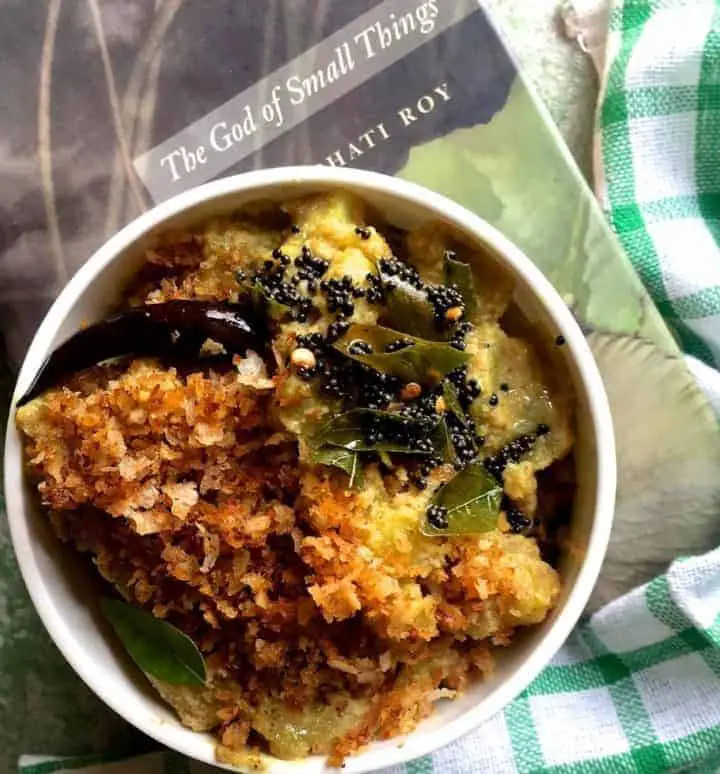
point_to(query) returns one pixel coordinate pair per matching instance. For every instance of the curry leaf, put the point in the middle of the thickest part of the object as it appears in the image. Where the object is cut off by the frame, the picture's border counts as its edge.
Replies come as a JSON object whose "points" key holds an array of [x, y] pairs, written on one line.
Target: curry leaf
{"points": [[461, 275], [472, 498], [425, 362], [276, 310], [338, 457], [347, 431], [455, 409], [408, 308], [443, 443], [262, 301], [452, 400], [157, 647]]}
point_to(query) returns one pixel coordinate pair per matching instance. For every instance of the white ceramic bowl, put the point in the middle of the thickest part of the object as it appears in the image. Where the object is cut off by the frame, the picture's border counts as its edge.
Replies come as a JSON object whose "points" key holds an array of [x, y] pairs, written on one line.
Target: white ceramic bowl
{"points": [[66, 598]]}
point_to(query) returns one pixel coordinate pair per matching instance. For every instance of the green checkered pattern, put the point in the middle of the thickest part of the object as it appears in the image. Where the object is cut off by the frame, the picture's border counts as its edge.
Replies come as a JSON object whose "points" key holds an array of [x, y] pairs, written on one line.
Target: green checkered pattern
{"points": [[637, 687], [659, 138]]}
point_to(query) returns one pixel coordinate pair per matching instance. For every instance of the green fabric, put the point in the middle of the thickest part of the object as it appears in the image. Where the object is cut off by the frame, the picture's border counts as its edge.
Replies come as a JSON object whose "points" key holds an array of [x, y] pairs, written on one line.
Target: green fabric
{"points": [[659, 135]]}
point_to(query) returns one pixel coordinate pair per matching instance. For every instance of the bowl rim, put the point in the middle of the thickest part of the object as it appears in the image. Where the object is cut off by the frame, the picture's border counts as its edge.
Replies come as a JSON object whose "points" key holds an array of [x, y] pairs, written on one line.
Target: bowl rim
{"points": [[365, 183]]}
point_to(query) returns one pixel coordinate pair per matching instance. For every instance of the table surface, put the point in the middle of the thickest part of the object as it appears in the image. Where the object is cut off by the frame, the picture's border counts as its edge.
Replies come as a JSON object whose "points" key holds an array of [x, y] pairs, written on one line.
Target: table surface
{"points": [[44, 707]]}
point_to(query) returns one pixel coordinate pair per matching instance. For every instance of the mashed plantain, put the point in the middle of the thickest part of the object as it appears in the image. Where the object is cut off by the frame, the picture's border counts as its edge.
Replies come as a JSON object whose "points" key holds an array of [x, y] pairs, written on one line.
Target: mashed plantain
{"points": [[331, 592]]}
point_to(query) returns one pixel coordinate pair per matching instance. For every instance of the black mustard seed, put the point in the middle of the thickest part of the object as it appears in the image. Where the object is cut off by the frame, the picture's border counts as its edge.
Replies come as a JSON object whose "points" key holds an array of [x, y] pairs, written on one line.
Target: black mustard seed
{"points": [[437, 516]]}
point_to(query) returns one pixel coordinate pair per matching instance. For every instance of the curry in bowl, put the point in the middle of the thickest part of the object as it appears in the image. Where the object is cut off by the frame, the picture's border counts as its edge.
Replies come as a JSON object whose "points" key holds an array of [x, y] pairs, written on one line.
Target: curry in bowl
{"points": [[324, 465]]}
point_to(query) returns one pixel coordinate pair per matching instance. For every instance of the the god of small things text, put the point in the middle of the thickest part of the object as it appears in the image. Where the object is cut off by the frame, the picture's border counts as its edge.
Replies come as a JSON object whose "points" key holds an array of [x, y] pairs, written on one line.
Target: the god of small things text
{"points": [[272, 111]]}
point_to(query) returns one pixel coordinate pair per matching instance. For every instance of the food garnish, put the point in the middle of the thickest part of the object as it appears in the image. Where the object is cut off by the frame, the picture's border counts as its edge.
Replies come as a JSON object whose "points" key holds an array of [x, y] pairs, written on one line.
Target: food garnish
{"points": [[176, 329], [157, 647], [364, 430], [458, 275], [417, 361], [469, 503], [341, 457]]}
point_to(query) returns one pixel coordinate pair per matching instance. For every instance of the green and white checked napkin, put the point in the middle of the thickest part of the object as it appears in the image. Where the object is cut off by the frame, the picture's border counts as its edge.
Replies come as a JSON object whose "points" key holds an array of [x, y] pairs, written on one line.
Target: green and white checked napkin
{"points": [[637, 687], [659, 127]]}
